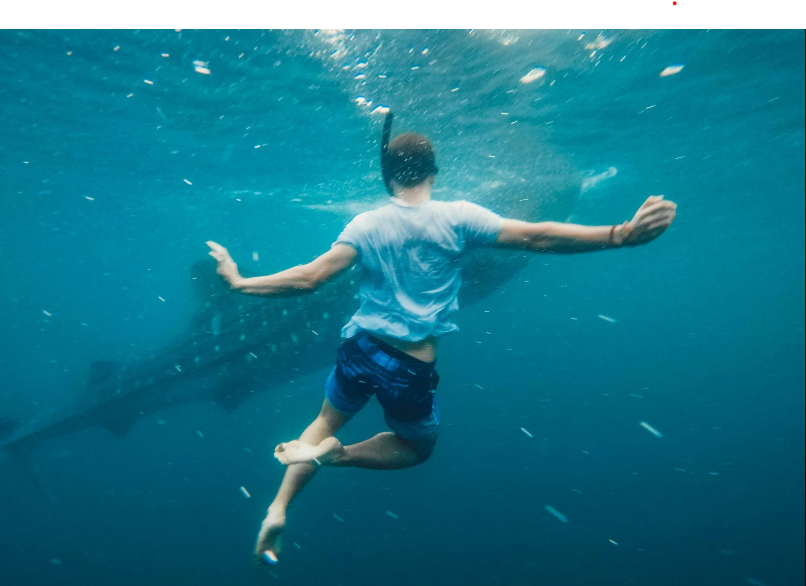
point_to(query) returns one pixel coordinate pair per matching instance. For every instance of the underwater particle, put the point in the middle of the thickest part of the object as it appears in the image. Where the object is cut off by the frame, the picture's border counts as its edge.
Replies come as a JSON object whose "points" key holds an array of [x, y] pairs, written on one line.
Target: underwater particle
{"points": [[479, 387], [255, 256], [636, 396], [130, 95], [165, 55], [360, 76], [753, 581], [651, 429], [297, 545], [576, 491], [270, 557], [391, 514], [714, 473], [533, 75], [526, 432], [613, 542], [89, 198], [46, 312], [599, 42], [360, 100], [148, 81], [160, 298], [671, 70], [202, 70], [186, 181], [425, 51], [335, 516], [680, 469], [314, 332], [556, 513], [380, 110], [56, 562], [178, 368], [161, 422], [246, 493], [253, 355], [199, 433], [727, 552], [606, 318]]}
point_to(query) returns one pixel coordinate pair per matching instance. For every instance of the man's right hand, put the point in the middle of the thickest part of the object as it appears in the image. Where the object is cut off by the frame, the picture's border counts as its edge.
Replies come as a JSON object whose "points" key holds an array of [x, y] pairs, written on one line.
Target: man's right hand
{"points": [[226, 266], [650, 221]]}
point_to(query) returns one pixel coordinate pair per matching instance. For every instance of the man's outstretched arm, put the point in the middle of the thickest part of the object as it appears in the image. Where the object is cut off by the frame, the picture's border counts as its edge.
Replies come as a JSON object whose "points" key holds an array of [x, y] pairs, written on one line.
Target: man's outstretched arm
{"points": [[649, 222], [294, 281]]}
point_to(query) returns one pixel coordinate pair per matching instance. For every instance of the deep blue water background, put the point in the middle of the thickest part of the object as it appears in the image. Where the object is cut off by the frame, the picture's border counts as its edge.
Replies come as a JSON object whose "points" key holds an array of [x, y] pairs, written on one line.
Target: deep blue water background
{"points": [[709, 330]]}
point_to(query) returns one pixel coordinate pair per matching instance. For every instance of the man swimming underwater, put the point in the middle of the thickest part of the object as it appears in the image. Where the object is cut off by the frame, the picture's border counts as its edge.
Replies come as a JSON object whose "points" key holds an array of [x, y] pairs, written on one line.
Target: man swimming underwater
{"points": [[409, 251]]}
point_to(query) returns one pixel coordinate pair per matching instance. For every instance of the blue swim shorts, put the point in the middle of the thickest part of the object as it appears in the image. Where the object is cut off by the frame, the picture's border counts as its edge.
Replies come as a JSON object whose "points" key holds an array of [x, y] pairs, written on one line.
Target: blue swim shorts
{"points": [[405, 386]]}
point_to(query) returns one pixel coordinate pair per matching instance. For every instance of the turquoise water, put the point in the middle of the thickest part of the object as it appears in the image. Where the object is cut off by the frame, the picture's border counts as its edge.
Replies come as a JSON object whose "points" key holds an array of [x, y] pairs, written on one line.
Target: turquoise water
{"points": [[111, 185]]}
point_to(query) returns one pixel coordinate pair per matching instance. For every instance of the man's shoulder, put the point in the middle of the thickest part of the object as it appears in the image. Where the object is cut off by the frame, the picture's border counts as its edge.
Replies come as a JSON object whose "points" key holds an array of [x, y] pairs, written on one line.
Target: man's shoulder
{"points": [[460, 207], [372, 217], [380, 211]]}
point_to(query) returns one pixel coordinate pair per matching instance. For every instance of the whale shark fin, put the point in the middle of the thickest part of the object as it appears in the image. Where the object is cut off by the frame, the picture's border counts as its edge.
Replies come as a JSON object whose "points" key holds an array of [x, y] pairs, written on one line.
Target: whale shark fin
{"points": [[19, 476], [208, 286]]}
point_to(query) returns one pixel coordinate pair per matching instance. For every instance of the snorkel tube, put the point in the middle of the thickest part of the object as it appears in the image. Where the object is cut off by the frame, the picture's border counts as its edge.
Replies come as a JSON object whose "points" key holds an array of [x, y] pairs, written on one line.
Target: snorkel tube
{"points": [[385, 170]]}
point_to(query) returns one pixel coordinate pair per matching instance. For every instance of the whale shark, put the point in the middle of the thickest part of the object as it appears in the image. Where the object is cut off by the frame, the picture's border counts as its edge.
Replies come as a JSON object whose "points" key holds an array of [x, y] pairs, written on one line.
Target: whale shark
{"points": [[238, 345]]}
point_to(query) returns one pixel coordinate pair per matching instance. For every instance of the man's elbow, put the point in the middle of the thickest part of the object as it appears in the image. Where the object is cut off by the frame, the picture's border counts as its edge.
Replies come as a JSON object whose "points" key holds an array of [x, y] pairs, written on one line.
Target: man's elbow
{"points": [[312, 280]]}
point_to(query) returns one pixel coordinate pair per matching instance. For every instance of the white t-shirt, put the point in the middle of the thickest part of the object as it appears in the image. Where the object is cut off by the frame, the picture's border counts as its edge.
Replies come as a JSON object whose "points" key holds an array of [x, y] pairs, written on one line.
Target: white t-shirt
{"points": [[410, 256]]}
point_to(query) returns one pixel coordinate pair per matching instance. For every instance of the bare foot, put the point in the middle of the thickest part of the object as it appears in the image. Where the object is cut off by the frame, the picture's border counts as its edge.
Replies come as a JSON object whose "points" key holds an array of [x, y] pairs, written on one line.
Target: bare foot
{"points": [[296, 452], [269, 537]]}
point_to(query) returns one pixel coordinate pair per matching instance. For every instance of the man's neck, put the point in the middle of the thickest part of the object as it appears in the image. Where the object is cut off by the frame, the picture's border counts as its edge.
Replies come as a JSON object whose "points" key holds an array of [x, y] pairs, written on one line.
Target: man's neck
{"points": [[414, 196]]}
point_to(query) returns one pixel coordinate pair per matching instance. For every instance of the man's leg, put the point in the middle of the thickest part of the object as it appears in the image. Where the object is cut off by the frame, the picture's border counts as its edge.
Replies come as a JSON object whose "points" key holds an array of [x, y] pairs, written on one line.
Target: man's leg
{"points": [[385, 451], [297, 476]]}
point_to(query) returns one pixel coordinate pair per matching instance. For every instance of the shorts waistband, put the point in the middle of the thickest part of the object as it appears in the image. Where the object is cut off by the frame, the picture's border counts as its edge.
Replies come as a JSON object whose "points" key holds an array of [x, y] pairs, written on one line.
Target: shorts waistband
{"points": [[373, 345]]}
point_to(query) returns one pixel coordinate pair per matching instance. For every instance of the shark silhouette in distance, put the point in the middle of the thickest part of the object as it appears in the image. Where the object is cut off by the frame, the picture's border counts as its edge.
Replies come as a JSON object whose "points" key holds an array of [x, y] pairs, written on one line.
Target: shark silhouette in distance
{"points": [[238, 345]]}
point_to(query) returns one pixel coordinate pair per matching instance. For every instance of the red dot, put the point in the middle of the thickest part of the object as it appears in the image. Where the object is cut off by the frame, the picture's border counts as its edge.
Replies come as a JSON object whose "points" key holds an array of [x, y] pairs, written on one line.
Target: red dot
{"points": [[674, 3]]}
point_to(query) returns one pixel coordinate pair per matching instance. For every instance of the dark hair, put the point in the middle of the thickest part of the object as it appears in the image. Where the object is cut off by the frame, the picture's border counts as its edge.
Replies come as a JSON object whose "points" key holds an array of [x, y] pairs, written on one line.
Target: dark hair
{"points": [[410, 159]]}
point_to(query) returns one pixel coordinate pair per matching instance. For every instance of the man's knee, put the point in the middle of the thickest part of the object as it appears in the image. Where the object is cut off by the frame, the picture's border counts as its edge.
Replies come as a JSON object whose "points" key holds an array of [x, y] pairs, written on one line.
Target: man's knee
{"points": [[424, 447], [332, 418]]}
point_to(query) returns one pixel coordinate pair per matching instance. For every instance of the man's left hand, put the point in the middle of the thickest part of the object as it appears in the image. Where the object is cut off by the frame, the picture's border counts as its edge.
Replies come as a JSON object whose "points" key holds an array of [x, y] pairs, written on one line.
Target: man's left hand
{"points": [[650, 221]]}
